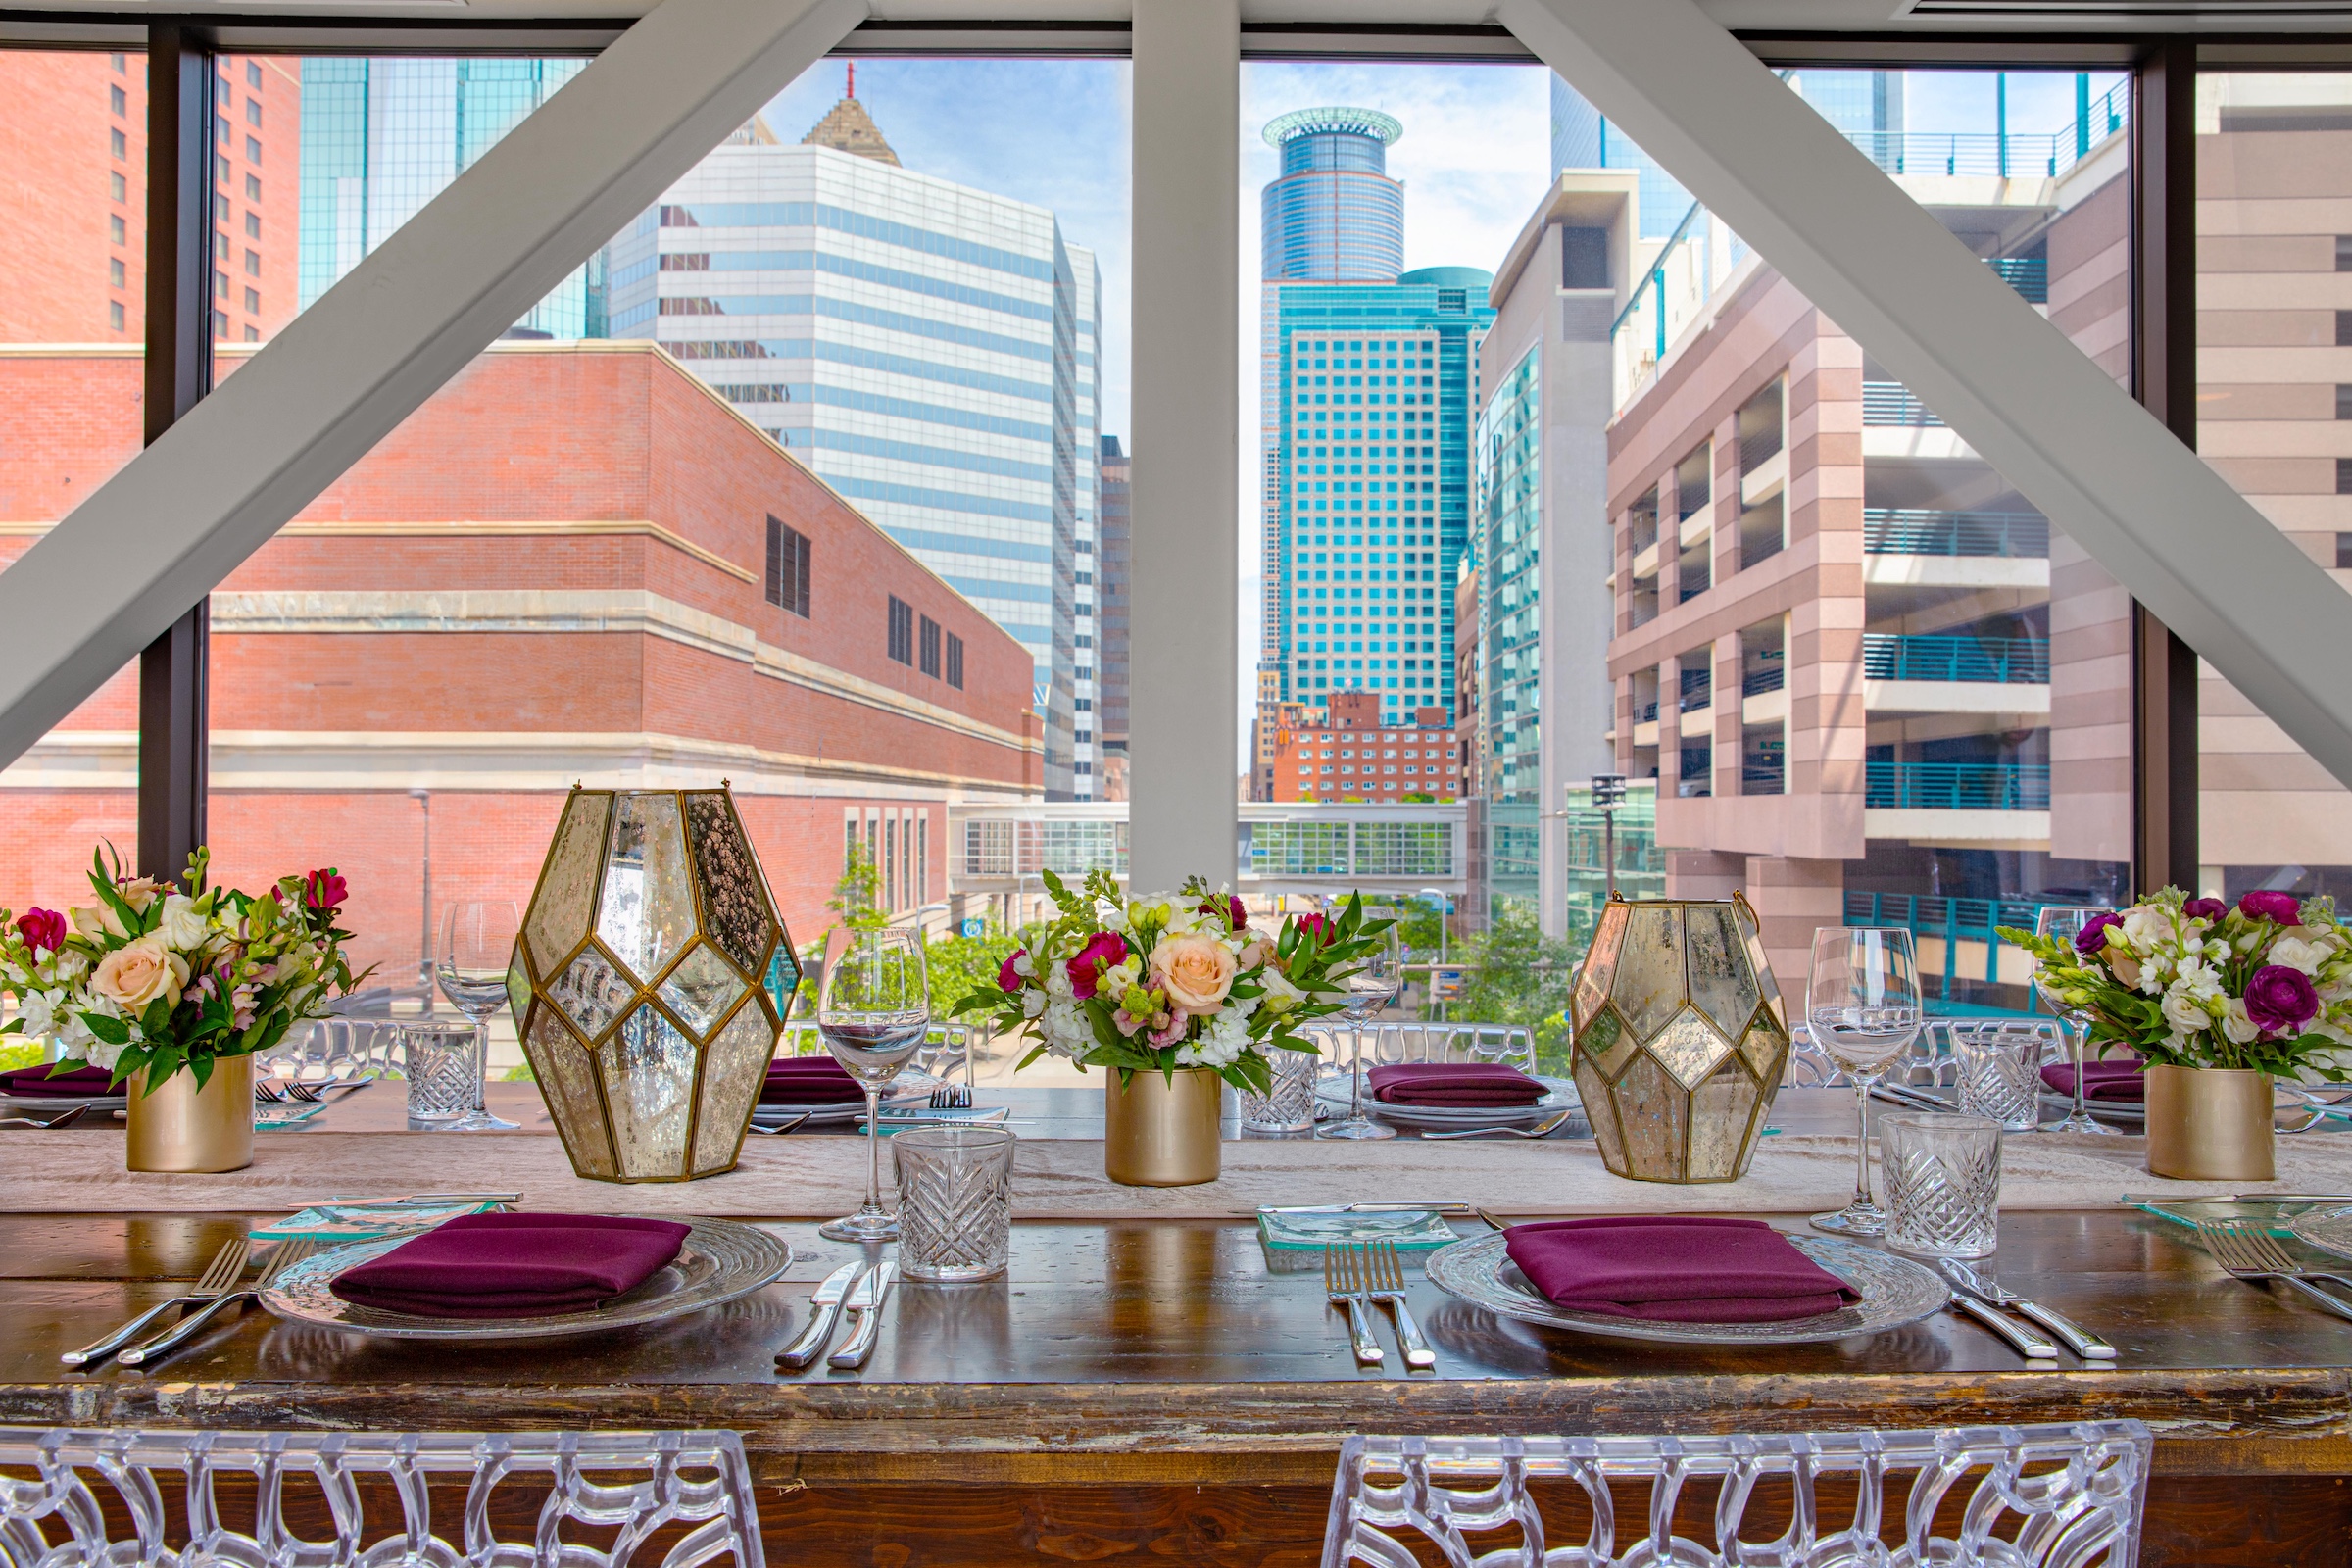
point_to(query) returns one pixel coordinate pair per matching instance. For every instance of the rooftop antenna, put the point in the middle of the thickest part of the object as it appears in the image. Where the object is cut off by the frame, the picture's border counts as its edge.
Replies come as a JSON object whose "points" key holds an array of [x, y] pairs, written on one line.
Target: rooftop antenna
{"points": [[851, 91]]}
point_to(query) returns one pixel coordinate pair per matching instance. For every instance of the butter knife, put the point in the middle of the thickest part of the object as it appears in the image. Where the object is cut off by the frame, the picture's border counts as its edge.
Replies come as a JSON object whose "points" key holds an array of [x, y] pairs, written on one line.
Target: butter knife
{"points": [[823, 1308], [867, 1302]]}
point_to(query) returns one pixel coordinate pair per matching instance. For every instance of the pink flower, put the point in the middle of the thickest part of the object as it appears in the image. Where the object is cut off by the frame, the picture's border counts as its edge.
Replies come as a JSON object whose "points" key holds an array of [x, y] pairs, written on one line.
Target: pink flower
{"points": [[43, 930], [2281, 909], [2209, 911], [1315, 927], [325, 890], [1102, 951], [1227, 905], [1009, 979], [2280, 999]]}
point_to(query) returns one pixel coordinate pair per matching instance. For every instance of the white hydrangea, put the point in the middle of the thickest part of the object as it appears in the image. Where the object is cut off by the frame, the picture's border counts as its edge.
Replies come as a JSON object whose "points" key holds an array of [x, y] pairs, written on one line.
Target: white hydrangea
{"points": [[1057, 979]]}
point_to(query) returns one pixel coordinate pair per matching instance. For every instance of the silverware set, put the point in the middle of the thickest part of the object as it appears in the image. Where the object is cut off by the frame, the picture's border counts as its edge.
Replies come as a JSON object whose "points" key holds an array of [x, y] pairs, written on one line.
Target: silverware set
{"points": [[1355, 1275], [63, 1118], [858, 1289], [1981, 1297], [216, 1289], [2247, 1250]]}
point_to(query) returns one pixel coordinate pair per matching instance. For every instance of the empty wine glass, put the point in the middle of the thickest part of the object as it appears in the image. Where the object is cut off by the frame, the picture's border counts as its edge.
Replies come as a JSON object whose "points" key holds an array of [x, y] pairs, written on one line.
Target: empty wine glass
{"points": [[2066, 921], [477, 944], [1378, 977], [1862, 1005], [873, 1008]]}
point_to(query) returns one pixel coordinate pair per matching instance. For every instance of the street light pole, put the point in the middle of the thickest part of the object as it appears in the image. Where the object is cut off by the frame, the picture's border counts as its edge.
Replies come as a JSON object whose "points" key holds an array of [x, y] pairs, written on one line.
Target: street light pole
{"points": [[1608, 793]]}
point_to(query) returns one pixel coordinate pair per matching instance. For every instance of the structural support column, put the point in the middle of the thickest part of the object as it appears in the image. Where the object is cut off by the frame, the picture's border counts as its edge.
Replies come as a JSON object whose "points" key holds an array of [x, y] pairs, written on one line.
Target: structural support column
{"points": [[2163, 341], [2097, 465], [159, 536], [1184, 746], [172, 677]]}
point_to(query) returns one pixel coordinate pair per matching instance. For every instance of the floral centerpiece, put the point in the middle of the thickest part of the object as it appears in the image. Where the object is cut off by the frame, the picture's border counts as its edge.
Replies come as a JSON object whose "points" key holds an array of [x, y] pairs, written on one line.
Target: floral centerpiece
{"points": [[151, 981], [2219, 999], [1173, 993], [1164, 981]]}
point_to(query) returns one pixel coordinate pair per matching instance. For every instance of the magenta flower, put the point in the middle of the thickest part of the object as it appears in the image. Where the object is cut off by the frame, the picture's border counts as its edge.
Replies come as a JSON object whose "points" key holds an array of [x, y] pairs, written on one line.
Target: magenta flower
{"points": [[325, 890], [2209, 911], [2092, 939], [2281, 909], [1227, 905], [1315, 928], [2281, 999], [1008, 977], [43, 930], [1102, 951]]}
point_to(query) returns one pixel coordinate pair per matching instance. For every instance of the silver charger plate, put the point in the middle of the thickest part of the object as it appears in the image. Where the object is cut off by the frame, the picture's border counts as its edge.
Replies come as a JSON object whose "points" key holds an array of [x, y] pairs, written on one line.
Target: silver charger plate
{"points": [[2329, 1229], [720, 1261], [1559, 1094], [1894, 1292]]}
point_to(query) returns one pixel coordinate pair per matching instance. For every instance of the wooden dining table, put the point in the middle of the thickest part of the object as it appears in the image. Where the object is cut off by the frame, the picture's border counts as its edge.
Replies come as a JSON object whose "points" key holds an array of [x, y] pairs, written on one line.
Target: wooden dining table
{"points": [[1149, 1390]]}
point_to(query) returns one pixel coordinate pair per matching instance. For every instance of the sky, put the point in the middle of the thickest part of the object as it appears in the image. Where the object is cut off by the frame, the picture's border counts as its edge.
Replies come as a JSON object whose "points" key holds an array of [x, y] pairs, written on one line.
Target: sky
{"points": [[1473, 157]]}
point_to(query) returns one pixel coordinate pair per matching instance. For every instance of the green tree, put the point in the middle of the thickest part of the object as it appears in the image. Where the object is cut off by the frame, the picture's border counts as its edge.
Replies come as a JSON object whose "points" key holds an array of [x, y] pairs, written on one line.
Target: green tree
{"points": [[858, 897], [1516, 976], [960, 965]]}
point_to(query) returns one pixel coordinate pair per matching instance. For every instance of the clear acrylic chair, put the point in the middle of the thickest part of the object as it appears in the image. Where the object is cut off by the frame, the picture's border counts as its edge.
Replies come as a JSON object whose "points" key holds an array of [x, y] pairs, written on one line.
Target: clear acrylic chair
{"points": [[336, 1050], [1388, 1044], [2046, 1496], [1928, 1064], [945, 1050], [374, 1490]]}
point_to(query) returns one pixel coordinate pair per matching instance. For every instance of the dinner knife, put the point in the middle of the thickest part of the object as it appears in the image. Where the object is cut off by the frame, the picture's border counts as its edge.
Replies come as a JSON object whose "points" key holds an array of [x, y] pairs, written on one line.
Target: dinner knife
{"points": [[823, 1308], [867, 1302], [2020, 1339]]}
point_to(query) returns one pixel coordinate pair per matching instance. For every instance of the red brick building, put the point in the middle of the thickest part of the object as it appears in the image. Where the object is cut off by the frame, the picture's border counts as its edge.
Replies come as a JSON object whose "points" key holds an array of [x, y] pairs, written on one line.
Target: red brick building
{"points": [[1343, 753], [575, 563]]}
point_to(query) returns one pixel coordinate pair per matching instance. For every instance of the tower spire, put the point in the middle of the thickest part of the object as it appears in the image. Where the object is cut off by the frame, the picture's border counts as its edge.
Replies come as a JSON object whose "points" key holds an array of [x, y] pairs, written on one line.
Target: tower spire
{"points": [[851, 91]]}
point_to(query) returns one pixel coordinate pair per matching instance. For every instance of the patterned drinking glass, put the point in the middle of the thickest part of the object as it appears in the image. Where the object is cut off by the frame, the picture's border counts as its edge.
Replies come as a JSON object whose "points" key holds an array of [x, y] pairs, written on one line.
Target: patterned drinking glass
{"points": [[442, 1060], [1943, 1183], [1291, 1106], [954, 1201], [2000, 1074]]}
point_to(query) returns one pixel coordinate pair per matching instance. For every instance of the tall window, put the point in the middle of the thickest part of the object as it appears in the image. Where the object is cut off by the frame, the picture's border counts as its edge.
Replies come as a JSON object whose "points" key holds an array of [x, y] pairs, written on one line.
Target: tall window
{"points": [[787, 567], [901, 630], [954, 660], [929, 662]]}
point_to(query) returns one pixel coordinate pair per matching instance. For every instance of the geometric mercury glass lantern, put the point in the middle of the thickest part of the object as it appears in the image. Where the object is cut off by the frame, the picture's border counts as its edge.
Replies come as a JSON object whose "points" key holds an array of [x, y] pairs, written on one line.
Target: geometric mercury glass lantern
{"points": [[1679, 1038], [638, 983]]}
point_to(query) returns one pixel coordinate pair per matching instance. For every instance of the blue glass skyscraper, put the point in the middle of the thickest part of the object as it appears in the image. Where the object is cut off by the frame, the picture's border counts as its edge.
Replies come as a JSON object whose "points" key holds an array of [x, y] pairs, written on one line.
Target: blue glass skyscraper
{"points": [[1367, 397]]}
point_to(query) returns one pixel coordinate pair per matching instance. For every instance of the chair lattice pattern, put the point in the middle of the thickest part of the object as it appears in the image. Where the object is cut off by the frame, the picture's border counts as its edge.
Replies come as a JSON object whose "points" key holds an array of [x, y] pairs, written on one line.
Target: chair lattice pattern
{"points": [[945, 1050], [1928, 1064], [375, 1487], [336, 1050], [2054, 1496], [1387, 1044]]}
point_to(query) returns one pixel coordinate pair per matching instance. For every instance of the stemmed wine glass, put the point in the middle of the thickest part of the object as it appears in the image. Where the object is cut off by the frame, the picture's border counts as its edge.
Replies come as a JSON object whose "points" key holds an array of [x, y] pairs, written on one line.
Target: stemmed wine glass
{"points": [[1378, 977], [2066, 921], [1862, 1004], [477, 944], [873, 1008]]}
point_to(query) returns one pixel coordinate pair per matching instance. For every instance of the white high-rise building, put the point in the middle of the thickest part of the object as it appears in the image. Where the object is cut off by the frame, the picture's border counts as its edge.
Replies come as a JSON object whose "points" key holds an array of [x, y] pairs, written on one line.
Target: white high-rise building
{"points": [[930, 351]]}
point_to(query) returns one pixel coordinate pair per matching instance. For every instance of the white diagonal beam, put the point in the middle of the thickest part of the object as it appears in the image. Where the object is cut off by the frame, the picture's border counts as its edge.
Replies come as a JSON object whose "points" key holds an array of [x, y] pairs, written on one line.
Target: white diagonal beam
{"points": [[182, 514], [2100, 466]]}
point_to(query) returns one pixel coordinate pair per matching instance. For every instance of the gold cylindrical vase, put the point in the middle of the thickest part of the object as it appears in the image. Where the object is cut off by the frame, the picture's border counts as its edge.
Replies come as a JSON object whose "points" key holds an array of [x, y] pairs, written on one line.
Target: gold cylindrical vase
{"points": [[180, 1127], [1160, 1129], [2210, 1124]]}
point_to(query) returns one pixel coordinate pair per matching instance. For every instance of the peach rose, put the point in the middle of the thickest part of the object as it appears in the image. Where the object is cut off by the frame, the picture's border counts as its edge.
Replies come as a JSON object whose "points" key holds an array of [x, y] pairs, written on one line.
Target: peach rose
{"points": [[135, 975], [1194, 970]]}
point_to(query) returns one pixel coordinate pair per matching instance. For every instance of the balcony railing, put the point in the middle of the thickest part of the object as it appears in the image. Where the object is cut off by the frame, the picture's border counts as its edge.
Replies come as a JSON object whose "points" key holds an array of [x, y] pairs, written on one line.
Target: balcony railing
{"points": [[1957, 786], [2006, 661], [1919, 531], [2029, 275], [1955, 921], [1999, 152], [1891, 402], [1765, 678]]}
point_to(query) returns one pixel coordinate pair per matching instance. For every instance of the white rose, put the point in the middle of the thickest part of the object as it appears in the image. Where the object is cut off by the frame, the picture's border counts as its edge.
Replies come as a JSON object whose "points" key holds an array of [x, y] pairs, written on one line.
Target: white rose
{"points": [[2146, 925], [2241, 1029], [1280, 995], [183, 925], [2296, 953], [2183, 1010]]}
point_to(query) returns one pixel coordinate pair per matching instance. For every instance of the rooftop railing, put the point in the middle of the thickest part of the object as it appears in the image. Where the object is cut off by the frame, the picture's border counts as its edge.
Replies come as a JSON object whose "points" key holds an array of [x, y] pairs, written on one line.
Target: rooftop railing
{"points": [[1957, 786], [1920, 531], [2008, 661], [1999, 152], [1890, 403]]}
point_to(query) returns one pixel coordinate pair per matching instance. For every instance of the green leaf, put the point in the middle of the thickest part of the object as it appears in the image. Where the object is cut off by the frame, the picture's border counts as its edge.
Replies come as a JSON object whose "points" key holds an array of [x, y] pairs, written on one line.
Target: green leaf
{"points": [[114, 1031]]}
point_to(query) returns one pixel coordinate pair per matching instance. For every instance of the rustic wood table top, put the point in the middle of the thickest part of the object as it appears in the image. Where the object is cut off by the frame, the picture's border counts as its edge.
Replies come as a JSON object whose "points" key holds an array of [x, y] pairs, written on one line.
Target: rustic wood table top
{"points": [[1168, 1351]]}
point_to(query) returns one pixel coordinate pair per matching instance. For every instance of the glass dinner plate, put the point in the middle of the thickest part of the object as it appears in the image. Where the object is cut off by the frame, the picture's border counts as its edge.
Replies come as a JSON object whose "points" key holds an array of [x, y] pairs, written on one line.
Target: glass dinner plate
{"points": [[900, 1093], [2329, 1229], [720, 1261], [1894, 1292], [1559, 1094]]}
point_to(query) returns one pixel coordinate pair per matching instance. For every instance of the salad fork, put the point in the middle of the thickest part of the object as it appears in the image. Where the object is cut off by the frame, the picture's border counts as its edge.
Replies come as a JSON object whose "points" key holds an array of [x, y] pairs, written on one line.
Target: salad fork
{"points": [[2247, 1252], [1383, 1273], [283, 1256], [223, 1271], [1344, 1287]]}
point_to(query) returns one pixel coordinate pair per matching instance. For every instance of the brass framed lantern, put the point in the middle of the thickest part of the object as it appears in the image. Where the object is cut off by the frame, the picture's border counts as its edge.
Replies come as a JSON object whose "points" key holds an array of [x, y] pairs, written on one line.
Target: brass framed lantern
{"points": [[639, 983], [1680, 1038]]}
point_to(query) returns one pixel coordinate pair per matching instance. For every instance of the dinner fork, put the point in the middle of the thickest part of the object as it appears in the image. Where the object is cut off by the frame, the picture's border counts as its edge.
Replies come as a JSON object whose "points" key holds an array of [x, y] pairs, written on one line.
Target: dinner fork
{"points": [[225, 1268], [65, 1119], [952, 1096], [298, 1091], [283, 1256], [1346, 1289], [1384, 1275], [1542, 1129], [2247, 1252]]}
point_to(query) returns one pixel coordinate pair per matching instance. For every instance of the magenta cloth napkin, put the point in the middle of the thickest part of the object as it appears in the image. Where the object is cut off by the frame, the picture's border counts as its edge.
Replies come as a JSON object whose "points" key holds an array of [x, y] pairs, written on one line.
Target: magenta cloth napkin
{"points": [[810, 1081], [82, 1083], [2115, 1082], [1675, 1269], [1458, 1084], [513, 1265]]}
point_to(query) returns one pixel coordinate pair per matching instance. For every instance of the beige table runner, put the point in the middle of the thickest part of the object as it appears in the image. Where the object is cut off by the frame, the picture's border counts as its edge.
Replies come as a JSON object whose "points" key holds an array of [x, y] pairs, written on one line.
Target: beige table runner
{"points": [[71, 1170]]}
